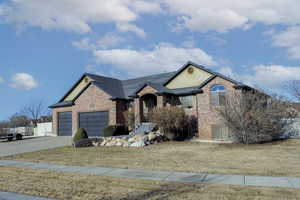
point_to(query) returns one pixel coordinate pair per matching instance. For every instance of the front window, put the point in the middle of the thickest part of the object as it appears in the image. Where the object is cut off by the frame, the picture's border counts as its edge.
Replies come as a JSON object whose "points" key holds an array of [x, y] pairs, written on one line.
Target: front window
{"points": [[187, 101], [218, 93]]}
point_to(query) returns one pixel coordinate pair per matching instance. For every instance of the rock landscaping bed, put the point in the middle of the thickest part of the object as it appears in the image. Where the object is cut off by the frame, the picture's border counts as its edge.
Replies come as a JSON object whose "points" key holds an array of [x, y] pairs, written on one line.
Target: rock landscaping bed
{"points": [[123, 141]]}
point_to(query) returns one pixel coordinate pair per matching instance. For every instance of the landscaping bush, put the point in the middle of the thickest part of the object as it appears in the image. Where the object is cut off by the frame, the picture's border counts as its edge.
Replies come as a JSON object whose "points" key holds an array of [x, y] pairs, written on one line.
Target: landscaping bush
{"points": [[115, 130], [172, 121], [254, 117], [80, 135], [87, 142], [129, 117]]}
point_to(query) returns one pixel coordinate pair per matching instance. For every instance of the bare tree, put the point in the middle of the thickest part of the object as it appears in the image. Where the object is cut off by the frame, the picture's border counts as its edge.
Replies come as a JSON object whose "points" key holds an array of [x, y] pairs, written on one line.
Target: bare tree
{"points": [[294, 89], [34, 111], [3, 125], [129, 117], [255, 117], [18, 120]]}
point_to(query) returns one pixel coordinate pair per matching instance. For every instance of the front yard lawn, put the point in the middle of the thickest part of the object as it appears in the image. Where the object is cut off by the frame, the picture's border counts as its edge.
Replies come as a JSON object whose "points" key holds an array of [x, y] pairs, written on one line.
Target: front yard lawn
{"points": [[61, 185], [281, 158]]}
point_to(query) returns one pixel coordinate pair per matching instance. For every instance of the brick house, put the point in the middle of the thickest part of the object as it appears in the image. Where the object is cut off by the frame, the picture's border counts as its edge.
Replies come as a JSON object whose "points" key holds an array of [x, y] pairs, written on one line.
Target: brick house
{"points": [[97, 101]]}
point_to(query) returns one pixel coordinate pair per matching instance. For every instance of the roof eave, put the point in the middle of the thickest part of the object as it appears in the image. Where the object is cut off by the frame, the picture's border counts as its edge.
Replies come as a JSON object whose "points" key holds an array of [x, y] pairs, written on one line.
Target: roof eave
{"points": [[192, 92], [61, 106], [245, 87], [123, 99]]}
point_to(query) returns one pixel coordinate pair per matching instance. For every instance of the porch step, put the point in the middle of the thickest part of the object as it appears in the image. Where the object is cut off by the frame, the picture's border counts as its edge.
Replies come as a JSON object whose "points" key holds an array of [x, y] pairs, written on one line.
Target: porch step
{"points": [[145, 127]]}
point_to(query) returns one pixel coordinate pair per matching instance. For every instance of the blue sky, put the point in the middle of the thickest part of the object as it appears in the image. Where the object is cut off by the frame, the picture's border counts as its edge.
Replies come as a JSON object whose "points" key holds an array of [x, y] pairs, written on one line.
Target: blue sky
{"points": [[47, 45]]}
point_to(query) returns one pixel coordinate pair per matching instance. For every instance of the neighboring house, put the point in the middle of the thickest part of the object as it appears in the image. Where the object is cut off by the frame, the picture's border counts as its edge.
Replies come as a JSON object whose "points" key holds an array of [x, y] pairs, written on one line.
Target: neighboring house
{"points": [[97, 101]]}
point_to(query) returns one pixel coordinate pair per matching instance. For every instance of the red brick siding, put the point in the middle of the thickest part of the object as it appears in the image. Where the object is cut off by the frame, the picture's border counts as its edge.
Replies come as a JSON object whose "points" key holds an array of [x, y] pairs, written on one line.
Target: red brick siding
{"points": [[91, 100], [138, 107], [207, 115], [121, 108]]}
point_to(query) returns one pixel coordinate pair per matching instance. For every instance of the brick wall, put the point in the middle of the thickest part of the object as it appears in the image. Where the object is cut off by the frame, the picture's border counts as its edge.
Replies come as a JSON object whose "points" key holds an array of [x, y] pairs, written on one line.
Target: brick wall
{"points": [[207, 115], [121, 108], [92, 99], [138, 106]]}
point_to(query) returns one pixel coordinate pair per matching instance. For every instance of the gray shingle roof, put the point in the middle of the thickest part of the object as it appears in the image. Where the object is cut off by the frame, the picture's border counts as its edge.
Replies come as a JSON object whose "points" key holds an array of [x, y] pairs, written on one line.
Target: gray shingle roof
{"points": [[111, 86], [125, 89], [132, 85]]}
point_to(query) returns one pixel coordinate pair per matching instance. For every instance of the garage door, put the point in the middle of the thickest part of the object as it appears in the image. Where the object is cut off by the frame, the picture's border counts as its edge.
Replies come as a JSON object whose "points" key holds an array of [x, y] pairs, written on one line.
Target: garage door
{"points": [[65, 124], [93, 122]]}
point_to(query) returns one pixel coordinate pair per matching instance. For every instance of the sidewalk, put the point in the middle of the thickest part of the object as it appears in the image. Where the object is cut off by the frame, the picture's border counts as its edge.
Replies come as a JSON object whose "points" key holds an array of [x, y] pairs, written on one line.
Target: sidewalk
{"points": [[267, 181], [15, 196]]}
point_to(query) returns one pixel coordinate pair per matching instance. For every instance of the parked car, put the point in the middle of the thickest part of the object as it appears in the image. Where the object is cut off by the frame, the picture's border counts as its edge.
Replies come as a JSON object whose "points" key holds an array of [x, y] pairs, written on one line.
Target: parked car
{"points": [[9, 134]]}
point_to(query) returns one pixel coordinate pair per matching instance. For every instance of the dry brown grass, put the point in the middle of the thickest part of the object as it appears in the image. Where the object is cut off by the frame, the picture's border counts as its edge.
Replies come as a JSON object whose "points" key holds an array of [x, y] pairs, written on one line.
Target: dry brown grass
{"points": [[280, 158], [61, 185]]}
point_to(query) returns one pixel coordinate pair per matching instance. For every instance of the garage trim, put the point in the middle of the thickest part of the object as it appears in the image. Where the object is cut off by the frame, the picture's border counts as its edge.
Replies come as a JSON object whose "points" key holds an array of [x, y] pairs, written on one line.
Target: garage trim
{"points": [[94, 111], [58, 122]]}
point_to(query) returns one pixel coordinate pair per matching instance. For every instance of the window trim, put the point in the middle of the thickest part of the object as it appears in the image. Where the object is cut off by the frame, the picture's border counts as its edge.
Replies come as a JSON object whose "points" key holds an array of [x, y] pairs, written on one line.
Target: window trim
{"points": [[192, 100], [217, 93]]}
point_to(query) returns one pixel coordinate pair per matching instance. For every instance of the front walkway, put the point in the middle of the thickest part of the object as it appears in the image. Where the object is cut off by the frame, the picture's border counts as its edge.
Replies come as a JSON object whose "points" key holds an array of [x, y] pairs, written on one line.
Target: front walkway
{"points": [[267, 181]]}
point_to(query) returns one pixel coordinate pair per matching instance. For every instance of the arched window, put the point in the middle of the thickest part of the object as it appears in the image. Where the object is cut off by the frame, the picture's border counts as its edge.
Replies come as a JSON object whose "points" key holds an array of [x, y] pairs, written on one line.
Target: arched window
{"points": [[218, 94]]}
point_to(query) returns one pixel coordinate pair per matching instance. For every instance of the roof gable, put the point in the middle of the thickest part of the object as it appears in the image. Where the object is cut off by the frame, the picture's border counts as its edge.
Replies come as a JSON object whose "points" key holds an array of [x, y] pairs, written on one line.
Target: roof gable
{"points": [[189, 76], [111, 86], [157, 87], [132, 85], [214, 74], [77, 88]]}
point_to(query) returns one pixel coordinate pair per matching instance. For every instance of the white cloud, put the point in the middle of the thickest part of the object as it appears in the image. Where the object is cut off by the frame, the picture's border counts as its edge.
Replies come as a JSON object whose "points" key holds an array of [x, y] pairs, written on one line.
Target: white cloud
{"points": [[227, 71], [110, 40], [107, 41], [84, 44], [74, 15], [273, 76], [216, 40], [125, 27], [1, 80], [23, 81], [222, 16], [290, 39], [163, 57], [146, 6], [196, 15], [266, 76], [189, 43]]}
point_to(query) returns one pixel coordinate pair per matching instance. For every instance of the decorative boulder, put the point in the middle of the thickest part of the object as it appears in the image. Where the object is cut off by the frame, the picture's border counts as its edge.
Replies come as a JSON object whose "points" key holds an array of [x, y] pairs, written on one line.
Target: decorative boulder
{"points": [[103, 143], [126, 144], [118, 144], [109, 144], [97, 141], [131, 140], [138, 144], [151, 136]]}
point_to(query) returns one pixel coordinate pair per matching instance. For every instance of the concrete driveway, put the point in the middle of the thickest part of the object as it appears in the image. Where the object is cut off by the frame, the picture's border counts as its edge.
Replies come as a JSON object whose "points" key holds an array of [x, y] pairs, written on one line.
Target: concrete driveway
{"points": [[32, 144]]}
